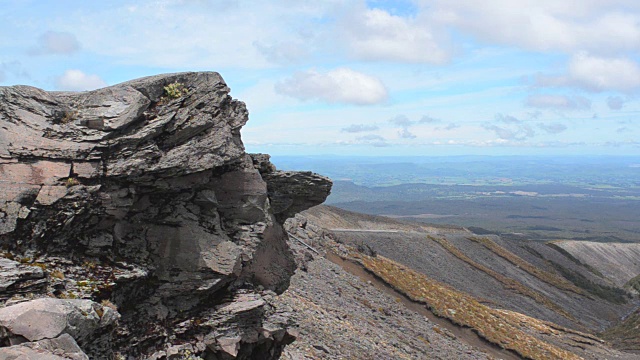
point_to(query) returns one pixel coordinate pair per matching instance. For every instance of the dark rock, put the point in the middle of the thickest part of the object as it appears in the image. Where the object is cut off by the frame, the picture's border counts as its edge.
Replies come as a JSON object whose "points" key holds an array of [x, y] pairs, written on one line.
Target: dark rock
{"points": [[155, 206], [16, 278], [291, 192]]}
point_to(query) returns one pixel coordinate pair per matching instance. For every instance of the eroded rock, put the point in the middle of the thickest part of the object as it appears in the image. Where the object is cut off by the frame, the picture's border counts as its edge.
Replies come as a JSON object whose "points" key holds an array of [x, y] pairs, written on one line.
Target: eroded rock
{"points": [[16, 278], [150, 201]]}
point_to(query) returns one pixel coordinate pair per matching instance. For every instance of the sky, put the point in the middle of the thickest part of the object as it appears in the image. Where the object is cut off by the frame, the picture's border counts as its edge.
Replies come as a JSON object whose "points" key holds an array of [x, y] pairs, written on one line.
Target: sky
{"points": [[379, 78]]}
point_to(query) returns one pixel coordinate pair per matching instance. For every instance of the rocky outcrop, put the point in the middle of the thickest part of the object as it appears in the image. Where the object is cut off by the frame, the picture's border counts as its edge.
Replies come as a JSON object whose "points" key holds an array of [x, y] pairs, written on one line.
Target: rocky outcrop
{"points": [[141, 195]]}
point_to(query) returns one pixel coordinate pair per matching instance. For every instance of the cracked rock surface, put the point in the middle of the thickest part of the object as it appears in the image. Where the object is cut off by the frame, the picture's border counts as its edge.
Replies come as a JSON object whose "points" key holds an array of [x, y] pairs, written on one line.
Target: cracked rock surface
{"points": [[132, 199]]}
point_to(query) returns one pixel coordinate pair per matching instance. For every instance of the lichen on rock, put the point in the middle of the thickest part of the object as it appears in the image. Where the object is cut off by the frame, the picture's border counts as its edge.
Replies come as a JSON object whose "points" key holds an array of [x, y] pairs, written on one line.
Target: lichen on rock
{"points": [[150, 202]]}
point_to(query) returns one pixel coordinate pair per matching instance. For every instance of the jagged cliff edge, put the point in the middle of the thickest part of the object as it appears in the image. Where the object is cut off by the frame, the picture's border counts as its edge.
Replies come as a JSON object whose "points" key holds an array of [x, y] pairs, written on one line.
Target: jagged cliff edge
{"points": [[134, 225]]}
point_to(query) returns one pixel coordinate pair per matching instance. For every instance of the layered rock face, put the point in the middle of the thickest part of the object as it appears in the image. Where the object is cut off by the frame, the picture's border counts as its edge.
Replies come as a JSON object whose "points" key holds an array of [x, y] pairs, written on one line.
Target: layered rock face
{"points": [[141, 196]]}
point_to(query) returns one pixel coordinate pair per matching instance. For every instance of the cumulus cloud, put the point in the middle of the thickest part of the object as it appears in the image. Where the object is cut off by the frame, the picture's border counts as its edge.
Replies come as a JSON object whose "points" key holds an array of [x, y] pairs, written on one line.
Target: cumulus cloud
{"points": [[552, 128], [341, 85], [52, 42], [558, 102], [597, 74], [598, 26], [615, 102], [76, 80], [355, 128], [404, 123], [375, 34], [601, 74], [508, 127]]}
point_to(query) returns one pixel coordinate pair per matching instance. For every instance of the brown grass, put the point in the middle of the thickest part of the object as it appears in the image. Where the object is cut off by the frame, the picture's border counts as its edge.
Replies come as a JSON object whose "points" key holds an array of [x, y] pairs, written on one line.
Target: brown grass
{"points": [[545, 276], [507, 282], [499, 327]]}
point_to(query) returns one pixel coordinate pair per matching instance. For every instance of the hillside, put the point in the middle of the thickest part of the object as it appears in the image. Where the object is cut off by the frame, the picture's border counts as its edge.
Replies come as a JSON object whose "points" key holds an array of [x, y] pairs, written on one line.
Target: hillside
{"points": [[536, 294]]}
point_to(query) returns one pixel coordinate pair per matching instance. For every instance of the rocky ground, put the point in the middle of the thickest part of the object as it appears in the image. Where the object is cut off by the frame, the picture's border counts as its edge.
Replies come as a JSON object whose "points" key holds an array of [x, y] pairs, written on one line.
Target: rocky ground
{"points": [[342, 317]]}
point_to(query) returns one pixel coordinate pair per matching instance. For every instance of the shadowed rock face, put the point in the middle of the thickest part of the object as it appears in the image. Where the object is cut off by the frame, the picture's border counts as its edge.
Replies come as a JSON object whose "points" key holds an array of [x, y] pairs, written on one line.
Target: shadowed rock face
{"points": [[158, 195]]}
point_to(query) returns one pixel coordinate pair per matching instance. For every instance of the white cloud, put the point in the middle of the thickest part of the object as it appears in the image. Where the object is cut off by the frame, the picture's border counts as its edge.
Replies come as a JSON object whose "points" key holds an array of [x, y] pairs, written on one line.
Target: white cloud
{"points": [[76, 80], [597, 74], [374, 34], [404, 123], [200, 34], [340, 85], [558, 102], [52, 42], [601, 74], [598, 26]]}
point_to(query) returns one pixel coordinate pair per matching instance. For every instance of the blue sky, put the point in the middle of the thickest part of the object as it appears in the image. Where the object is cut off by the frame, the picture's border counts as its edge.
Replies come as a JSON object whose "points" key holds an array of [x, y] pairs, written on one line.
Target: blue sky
{"points": [[424, 77]]}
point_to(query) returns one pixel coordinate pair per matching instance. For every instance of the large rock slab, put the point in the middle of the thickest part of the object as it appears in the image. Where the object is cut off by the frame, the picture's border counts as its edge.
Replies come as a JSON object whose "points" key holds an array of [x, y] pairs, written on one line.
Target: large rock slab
{"points": [[49, 318], [62, 347]]}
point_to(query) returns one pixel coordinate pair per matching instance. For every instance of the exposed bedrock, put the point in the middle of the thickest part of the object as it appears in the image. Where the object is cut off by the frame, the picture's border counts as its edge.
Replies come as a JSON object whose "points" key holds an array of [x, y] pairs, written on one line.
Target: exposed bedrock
{"points": [[142, 196]]}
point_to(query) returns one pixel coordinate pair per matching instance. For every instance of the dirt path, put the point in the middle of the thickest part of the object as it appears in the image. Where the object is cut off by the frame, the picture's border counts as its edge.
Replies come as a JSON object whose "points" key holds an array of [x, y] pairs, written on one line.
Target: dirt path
{"points": [[462, 333]]}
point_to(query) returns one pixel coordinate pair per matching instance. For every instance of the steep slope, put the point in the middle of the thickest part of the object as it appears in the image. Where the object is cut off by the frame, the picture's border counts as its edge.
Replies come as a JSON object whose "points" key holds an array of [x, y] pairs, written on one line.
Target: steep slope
{"points": [[342, 317], [514, 285], [141, 196], [617, 262]]}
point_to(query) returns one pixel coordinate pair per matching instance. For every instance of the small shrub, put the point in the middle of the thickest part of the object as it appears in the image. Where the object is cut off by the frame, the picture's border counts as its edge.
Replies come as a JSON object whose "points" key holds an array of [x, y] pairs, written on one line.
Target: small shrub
{"points": [[69, 116], [175, 90], [71, 182], [188, 355], [57, 274]]}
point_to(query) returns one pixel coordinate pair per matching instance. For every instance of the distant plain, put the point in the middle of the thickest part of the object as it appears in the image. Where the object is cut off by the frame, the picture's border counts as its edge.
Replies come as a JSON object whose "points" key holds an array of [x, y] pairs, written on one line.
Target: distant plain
{"points": [[534, 197]]}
